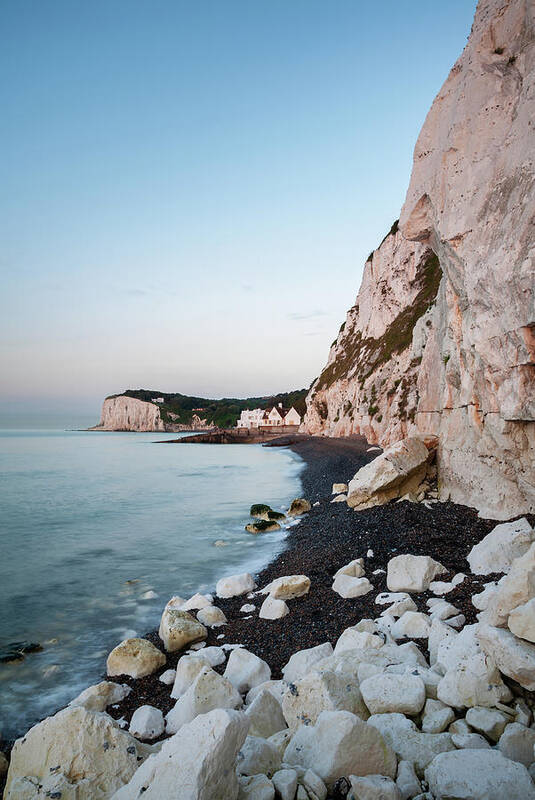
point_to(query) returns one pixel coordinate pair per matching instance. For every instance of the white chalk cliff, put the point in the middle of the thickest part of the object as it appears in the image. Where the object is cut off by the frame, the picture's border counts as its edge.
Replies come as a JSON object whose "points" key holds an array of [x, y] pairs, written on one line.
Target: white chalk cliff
{"points": [[441, 338], [123, 413]]}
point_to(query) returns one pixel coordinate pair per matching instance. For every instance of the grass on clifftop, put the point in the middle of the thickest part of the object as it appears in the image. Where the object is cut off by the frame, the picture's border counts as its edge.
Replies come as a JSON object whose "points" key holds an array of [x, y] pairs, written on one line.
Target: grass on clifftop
{"points": [[364, 355]]}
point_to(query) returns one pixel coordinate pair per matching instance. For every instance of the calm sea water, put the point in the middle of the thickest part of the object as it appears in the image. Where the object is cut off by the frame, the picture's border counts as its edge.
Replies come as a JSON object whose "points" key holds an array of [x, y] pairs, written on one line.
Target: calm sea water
{"points": [[83, 514]]}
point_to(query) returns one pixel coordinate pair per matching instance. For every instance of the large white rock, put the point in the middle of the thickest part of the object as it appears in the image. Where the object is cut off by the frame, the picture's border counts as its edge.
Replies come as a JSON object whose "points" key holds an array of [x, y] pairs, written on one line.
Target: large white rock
{"points": [[390, 693], [478, 775], [410, 744], [308, 697], [302, 661], [134, 657], [352, 639], [265, 715], [287, 587], [497, 551], [257, 756], [211, 616], [373, 787], [178, 629], [514, 589], [245, 670], [521, 621], [147, 723], [473, 681], [235, 585], [187, 669], [408, 573], [208, 691], [488, 721], [101, 695], [413, 624], [195, 764], [389, 475], [347, 587], [340, 743], [272, 608], [517, 743], [197, 601], [76, 755], [514, 657]]}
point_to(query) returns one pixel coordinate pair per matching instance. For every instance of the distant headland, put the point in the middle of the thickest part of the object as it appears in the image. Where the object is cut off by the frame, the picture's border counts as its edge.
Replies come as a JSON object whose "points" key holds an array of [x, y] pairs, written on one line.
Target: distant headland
{"points": [[150, 410]]}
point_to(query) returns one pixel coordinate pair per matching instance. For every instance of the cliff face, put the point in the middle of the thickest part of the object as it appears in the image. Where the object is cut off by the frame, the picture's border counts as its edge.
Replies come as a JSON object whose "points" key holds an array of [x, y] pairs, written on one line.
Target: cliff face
{"points": [[129, 414], [441, 338]]}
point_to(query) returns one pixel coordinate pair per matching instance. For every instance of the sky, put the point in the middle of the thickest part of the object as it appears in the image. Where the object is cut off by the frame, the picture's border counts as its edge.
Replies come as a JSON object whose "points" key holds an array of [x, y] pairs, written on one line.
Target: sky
{"points": [[189, 190]]}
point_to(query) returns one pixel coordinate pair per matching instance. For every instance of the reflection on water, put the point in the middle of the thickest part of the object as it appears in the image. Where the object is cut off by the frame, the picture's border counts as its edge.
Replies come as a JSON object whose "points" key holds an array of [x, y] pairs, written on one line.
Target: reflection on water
{"points": [[91, 522]]}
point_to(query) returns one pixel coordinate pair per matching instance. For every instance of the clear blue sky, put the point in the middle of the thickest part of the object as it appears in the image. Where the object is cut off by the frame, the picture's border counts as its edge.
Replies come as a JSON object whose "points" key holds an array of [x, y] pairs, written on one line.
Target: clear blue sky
{"points": [[189, 190]]}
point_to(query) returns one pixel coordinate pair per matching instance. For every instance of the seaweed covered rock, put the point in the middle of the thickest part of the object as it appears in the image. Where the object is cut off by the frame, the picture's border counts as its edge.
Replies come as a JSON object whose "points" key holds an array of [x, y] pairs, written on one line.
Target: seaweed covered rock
{"points": [[298, 507]]}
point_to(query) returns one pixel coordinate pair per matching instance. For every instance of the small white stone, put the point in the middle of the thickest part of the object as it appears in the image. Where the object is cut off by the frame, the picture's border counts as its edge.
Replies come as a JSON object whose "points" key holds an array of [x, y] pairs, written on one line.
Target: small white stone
{"points": [[407, 780], [197, 601], [235, 585], [374, 787], [285, 783], [487, 721], [257, 756], [273, 609], [393, 693], [256, 787], [348, 587], [355, 569], [247, 608], [147, 723], [168, 677], [470, 741], [213, 655], [369, 554], [517, 743], [211, 616]]}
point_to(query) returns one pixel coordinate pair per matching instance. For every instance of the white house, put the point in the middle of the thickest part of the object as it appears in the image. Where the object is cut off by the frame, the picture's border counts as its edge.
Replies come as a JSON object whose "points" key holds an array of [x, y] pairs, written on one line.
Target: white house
{"points": [[250, 418], [157, 400], [274, 417]]}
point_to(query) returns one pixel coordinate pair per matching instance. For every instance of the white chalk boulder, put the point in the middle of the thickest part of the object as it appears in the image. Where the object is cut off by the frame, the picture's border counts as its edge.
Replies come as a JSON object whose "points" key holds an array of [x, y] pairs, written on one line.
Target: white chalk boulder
{"points": [[478, 775], [134, 657], [74, 754], [235, 585], [497, 551], [340, 743], [147, 723], [208, 691], [393, 693], [245, 670], [195, 764], [178, 629], [406, 573]]}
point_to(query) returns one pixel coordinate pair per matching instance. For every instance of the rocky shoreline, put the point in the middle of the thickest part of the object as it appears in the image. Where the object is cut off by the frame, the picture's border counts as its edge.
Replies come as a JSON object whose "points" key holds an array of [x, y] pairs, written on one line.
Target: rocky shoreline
{"points": [[413, 679]]}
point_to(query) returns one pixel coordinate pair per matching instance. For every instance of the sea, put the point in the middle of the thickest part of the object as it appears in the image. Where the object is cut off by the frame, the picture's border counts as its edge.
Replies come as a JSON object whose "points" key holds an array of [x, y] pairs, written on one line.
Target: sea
{"points": [[98, 530]]}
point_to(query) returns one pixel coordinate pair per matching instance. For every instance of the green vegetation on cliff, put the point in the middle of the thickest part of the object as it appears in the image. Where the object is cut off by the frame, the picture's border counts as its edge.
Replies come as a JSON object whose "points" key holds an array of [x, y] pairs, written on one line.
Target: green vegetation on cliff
{"points": [[362, 356], [180, 408]]}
